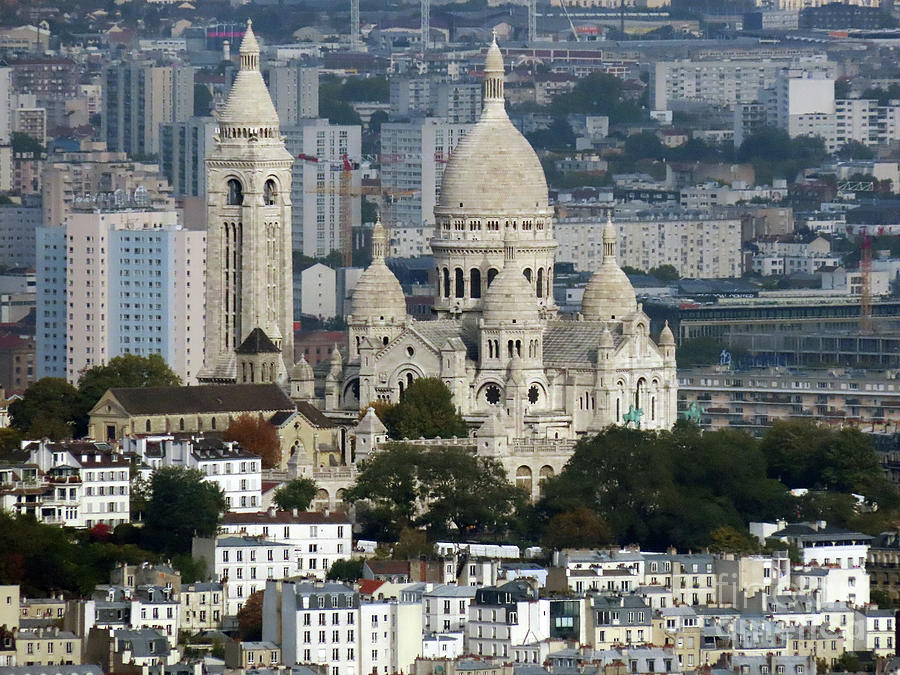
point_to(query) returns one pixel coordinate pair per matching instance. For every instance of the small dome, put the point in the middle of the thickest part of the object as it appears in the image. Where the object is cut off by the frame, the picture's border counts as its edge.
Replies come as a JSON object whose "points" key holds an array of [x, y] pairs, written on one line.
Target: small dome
{"points": [[666, 338], [377, 294], [606, 340], [302, 371], [493, 427], [510, 297], [494, 60], [609, 294]]}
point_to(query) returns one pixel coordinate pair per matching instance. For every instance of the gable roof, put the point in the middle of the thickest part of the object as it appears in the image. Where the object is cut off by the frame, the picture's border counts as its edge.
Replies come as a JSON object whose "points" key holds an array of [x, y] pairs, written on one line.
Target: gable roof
{"points": [[314, 416], [257, 343], [208, 398]]}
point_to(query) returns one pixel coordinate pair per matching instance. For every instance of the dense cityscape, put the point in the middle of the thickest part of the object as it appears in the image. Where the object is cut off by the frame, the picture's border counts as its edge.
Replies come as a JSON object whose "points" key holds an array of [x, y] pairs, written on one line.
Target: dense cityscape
{"points": [[496, 337]]}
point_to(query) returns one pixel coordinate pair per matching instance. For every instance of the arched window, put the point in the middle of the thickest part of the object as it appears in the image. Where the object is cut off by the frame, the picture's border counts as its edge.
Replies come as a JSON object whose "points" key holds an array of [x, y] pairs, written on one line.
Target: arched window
{"points": [[147, 426], [213, 423], [459, 283], [181, 424], [491, 274], [235, 192], [518, 348], [270, 192], [539, 289], [446, 283], [527, 273], [475, 282], [509, 348], [523, 479], [639, 392]]}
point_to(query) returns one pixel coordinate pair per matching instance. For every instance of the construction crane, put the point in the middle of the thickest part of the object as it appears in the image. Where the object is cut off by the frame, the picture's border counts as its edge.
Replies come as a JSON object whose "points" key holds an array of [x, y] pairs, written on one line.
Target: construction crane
{"points": [[865, 293], [426, 25], [562, 3], [346, 192], [354, 25], [532, 20]]}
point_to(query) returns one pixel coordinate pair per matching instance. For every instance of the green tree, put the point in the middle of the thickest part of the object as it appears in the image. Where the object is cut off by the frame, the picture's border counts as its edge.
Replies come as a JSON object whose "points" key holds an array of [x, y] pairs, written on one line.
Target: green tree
{"points": [[444, 488], [412, 544], [10, 439], [22, 142], [346, 569], [192, 569], [855, 150], [466, 494], [296, 494], [48, 408], [425, 410], [882, 599], [665, 273], [378, 118], [644, 145], [727, 539], [181, 505], [202, 100], [578, 528]]}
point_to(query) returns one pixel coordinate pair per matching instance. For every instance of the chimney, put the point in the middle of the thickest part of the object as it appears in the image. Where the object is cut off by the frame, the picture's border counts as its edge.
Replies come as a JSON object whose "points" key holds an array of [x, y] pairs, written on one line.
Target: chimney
{"points": [[271, 512], [294, 512]]}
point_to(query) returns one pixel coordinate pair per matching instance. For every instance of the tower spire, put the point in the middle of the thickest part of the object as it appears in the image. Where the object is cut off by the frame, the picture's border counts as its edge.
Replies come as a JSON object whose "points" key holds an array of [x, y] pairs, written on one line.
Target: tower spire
{"points": [[379, 242], [249, 49], [609, 241], [493, 76]]}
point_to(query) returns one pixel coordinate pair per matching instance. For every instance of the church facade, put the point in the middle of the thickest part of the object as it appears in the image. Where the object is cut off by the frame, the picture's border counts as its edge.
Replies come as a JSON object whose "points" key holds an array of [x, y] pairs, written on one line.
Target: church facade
{"points": [[497, 341]]}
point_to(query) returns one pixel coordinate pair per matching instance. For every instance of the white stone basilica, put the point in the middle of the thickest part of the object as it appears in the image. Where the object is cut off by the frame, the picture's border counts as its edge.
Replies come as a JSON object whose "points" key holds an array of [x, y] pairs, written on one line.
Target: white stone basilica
{"points": [[528, 382], [497, 341]]}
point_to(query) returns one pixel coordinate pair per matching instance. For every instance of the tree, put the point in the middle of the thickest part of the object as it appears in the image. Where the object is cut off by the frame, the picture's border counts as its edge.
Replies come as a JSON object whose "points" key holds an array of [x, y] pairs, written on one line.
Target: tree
{"points": [[47, 409], [378, 118], [855, 150], [346, 569], [10, 439], [425, 410], [257, 435], [202, 100], [296, 494], [22, 142], [665, 273], [644, 145], [181, 505], [444, 488], [577, 528], [727, 539], [250, 618], [192, 569], [128, 370], [412, 544]]}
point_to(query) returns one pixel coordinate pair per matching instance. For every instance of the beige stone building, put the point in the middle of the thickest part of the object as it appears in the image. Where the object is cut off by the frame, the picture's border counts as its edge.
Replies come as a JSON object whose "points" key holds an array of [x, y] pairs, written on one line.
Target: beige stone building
{"points": [[249, 284], [533, 381], [48, 646]]}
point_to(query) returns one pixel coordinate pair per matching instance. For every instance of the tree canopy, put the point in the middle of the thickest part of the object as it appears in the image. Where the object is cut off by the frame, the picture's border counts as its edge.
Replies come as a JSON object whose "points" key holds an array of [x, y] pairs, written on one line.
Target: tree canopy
{"points": [[296, 494], [48, 408], [257, 435], [181, 505], [425, 410], [445, 489]]}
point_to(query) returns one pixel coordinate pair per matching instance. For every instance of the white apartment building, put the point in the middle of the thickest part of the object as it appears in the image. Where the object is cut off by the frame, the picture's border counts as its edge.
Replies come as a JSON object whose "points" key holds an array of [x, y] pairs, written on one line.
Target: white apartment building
{"points": [[319, 149], [699, 244], [715, 194], [295, 92], [819, 543], [724, 82], [874, 631], [243, 564], [318, 291], [504, 617], [325, 623], [158, 608], [446, 608], [316, 539], [113, 282], [410, 241], [413, 157], [781, 256], [237, 472], [832, 584], [85, 484]]}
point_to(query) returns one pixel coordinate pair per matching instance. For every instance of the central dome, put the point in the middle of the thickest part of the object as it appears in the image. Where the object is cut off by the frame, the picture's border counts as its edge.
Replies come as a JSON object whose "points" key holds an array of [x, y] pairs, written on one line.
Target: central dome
{"points": [[493, 169]]}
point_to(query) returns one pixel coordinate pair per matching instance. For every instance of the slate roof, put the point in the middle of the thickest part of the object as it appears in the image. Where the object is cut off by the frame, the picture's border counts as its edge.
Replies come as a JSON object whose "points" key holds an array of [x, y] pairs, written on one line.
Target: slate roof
{"points": [[284, 517], [209, 398], [575, 342], [314, 415], [437, 332], [257, 343]]}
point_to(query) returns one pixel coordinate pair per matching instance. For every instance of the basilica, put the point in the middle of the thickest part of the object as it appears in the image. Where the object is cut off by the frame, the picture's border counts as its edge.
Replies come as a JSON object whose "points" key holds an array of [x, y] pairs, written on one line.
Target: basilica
{"points": [[497, 340], [520, 373]]}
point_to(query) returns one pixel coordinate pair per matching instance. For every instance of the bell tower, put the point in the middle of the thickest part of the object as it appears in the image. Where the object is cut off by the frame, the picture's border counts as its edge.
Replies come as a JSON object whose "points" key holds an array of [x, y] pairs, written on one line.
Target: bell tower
{"points": [[249, 285]]}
